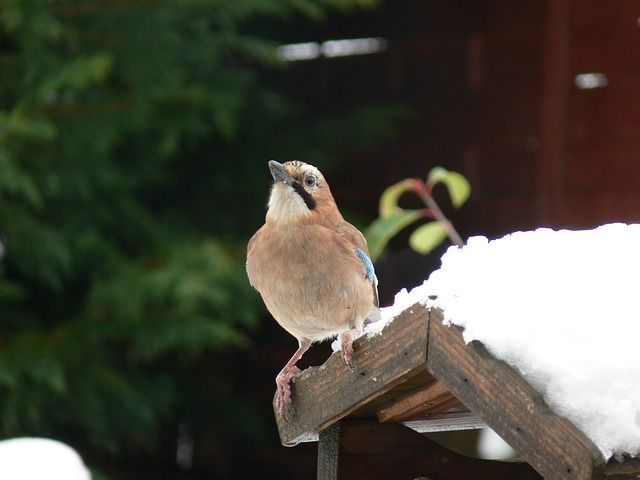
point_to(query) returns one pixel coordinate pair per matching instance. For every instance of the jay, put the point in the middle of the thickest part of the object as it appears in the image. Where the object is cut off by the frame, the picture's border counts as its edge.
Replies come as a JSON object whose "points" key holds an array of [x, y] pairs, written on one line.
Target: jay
{"points": [[311, 267]]}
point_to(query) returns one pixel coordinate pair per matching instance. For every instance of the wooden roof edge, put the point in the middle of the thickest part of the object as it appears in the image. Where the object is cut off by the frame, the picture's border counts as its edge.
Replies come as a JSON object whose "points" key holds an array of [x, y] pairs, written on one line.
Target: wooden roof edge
{"points": [[417, 341], [495, 392], [445, 422], [323, 395], [628, 468]]}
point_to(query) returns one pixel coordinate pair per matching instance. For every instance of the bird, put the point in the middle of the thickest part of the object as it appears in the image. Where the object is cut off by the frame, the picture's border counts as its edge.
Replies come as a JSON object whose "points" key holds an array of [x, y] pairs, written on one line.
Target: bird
{"points": [[311, 267]]}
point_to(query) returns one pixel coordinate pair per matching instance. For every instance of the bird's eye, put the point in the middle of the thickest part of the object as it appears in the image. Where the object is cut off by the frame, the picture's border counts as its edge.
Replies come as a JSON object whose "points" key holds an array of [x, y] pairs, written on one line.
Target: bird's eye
{"points": [[310, 181]]}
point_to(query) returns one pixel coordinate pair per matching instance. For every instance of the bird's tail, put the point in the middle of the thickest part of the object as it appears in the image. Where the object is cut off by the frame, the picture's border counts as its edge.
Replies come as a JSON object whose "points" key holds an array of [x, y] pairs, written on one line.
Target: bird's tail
{"points": [[374, 316]]}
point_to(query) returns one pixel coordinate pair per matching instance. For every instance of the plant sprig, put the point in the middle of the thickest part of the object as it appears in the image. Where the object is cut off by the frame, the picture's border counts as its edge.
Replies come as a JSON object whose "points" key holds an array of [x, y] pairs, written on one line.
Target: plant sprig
{"points": [[393, 218]]}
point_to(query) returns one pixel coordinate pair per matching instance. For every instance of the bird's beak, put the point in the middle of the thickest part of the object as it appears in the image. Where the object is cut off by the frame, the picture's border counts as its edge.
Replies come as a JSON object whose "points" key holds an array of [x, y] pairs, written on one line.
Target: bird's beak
{"points": [[278, 173]]}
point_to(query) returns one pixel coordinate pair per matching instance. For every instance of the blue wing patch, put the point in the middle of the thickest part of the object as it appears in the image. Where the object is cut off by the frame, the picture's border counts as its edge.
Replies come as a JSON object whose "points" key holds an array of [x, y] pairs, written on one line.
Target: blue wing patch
{"points": [[368, 264], [370, 273]]}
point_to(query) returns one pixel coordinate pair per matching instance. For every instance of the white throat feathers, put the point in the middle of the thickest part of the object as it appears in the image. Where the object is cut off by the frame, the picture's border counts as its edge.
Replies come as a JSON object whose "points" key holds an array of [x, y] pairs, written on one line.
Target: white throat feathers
{"points": [[285, 204]]}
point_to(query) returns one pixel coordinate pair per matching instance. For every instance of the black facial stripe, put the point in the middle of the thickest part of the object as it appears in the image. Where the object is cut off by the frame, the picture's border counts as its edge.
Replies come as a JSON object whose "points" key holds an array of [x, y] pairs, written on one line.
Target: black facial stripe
{"points": [[308, 199]]}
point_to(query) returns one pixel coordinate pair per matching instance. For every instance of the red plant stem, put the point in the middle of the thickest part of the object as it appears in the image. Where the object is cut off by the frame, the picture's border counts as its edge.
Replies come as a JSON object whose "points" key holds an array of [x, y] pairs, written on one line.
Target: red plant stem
{"points": [[428, 213], [423, 192]]}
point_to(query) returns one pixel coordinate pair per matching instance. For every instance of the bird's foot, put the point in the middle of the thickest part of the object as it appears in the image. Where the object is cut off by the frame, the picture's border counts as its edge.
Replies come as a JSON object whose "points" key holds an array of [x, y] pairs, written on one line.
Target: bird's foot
{"points": [[346, 347], [283, 388]]}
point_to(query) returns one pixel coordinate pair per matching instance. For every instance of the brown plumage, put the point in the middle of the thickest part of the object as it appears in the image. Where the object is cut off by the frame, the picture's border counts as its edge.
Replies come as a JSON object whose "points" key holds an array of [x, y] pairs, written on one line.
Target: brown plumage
{"points": [[310, 266]]}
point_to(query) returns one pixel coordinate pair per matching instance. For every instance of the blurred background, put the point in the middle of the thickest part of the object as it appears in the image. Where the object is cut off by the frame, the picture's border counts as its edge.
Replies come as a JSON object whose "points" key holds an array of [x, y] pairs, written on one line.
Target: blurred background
{"points": [[134, 137]]}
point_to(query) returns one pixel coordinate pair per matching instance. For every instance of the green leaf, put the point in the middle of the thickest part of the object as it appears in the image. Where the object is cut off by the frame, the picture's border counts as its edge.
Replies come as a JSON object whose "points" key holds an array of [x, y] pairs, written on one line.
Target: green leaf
{"points": [[384, 229], [390, 197], [458, 186], [427, 237]]}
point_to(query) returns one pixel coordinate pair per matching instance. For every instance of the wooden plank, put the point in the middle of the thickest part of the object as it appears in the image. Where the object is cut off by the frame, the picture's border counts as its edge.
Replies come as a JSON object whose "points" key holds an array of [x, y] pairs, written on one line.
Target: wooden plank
{"points": [[626, 470], [382, 451], [449, 404], [328, 450], [370, 409], [444, 422], [554, 112], [323, 395], [447, 422], [497, 394], [418, 402]]}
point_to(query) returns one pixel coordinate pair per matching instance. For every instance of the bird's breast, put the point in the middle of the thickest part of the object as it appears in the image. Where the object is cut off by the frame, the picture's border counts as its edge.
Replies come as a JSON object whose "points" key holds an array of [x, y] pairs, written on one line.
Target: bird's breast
{"points": [[311, 282]]}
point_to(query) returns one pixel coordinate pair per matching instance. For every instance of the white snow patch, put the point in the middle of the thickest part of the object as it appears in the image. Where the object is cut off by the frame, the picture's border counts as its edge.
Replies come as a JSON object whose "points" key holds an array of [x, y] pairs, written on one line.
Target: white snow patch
{"points": [[491, 446], [563, 308], [40, 458]]}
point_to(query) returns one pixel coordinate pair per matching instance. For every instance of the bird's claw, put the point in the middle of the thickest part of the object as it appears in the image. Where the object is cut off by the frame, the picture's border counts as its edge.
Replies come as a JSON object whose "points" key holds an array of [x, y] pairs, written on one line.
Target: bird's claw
{"points": [[283, 399], [283, 389], [346, 349]]}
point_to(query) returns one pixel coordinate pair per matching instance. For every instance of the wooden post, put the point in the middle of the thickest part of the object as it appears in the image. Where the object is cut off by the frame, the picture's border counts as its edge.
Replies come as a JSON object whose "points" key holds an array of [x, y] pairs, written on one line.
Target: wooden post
{"points": [[554, 113], [328, 450]]}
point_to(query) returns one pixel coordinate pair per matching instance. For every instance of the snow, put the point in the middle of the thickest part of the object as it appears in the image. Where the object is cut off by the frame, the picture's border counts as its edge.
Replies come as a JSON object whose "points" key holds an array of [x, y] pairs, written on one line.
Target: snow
{"points": [[40, 458], [562, 308], [492, 447]]}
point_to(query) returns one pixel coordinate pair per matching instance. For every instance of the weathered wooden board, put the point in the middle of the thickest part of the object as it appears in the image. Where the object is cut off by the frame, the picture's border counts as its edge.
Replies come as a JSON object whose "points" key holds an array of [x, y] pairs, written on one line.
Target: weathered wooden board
{"points": [[629, 469], [373, 451], [500, 396], [447, 422], [323, 395], [418, 402]]}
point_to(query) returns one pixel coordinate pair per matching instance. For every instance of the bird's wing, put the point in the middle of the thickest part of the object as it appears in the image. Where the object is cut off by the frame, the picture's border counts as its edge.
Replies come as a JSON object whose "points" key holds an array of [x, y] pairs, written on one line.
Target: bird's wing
{"points": [[370, 273], [355, 237], [252, 241]]}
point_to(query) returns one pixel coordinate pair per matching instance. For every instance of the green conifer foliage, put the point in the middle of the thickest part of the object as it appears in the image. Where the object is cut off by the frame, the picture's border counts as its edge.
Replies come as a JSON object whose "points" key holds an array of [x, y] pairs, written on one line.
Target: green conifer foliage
{"points": [[133, 138]]}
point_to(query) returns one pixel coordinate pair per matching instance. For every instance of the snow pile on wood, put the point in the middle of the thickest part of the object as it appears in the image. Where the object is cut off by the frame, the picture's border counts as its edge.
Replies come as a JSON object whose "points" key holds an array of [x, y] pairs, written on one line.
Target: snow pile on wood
{"points": [[563, 309]]}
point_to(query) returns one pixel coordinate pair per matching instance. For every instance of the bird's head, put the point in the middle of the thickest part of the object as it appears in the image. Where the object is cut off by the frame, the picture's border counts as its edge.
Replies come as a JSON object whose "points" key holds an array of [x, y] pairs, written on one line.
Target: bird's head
{"points": [[299, 192]]}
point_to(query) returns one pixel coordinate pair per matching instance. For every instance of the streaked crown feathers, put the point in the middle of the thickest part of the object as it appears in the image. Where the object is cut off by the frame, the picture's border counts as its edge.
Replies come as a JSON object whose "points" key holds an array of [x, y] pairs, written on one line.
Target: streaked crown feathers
{"points": [[299, 191]]}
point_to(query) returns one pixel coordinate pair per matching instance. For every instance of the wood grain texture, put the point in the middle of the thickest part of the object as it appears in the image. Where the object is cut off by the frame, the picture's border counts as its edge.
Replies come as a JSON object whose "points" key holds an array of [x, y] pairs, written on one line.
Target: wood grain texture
{"points": [[419, 402], [394, 377], [497, 394], [323, 395], [447, 422]]}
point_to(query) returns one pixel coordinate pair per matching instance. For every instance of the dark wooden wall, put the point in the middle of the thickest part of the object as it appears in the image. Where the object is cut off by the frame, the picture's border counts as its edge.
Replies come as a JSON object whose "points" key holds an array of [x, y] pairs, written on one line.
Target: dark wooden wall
{"points": [[550, 153], [492, 84], [545, 152], [602, 180]]}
